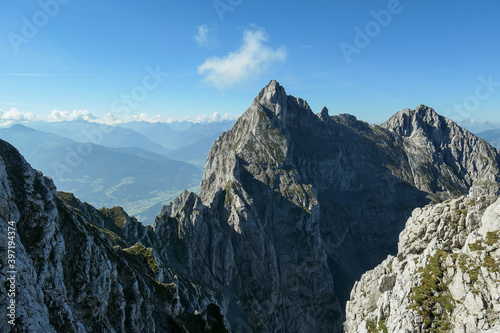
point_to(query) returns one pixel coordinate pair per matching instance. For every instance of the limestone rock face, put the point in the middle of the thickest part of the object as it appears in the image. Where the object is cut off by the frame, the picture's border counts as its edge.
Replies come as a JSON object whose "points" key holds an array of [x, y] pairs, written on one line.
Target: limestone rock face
{"points": [[445, 277], [295, 206], [444, 158], [82, 270]]}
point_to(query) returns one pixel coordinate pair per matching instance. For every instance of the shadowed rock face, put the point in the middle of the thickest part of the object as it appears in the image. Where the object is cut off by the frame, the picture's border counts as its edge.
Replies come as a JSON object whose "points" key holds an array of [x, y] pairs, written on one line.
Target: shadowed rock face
{"points": [[295, 206], [78, 269]]}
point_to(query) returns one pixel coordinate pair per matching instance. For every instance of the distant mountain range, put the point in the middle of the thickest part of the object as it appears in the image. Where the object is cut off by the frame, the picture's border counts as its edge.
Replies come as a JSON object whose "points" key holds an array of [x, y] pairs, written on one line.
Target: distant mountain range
{"points": [[189, 142], [492, 136], [179, 134], [124, 158], [183, 141], [108, 136], [131, 177]]}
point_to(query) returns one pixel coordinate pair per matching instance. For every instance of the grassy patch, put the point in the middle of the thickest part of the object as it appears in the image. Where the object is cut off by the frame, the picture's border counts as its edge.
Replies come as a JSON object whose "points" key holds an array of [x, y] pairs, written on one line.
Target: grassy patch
{"points": [[116, 214], [371, 326], [431, 298], [491, 264], [139, 250], [467, 266], [382, 327], [477, 246], [492, 237]]}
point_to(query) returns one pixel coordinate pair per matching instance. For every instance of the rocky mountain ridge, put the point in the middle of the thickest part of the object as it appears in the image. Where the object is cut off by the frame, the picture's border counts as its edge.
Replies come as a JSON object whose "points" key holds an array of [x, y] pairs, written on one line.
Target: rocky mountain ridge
{"points": [[310, 202], [294, 207]]}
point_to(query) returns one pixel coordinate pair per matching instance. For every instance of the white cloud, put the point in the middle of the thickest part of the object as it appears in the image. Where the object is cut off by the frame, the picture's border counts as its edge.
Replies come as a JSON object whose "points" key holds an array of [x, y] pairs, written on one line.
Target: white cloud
{"points": [[252, 59], [112, 119], [206, 37], [475, 125], [12, 114], [211, 118], [16, 116], [57, 115]]}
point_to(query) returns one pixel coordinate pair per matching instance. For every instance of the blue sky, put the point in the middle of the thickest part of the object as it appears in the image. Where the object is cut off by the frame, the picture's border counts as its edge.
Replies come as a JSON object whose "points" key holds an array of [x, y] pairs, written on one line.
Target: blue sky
{"points": [[86, 55]]}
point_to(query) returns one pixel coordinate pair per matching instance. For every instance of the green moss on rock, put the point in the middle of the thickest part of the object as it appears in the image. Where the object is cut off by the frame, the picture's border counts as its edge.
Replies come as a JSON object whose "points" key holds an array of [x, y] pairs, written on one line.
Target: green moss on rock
{"points": [[431, 298], [139, 250]]}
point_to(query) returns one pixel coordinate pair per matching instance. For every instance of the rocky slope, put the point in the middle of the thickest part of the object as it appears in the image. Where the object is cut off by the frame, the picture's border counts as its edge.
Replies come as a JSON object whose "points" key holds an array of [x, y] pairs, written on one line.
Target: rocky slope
{"points": [[82, 270], [295, 206], [445, 277]]}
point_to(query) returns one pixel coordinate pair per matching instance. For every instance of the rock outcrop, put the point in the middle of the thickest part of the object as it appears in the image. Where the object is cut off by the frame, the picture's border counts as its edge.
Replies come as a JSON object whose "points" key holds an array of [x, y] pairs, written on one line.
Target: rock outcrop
{"points": [[445, 277], [81, 270]]}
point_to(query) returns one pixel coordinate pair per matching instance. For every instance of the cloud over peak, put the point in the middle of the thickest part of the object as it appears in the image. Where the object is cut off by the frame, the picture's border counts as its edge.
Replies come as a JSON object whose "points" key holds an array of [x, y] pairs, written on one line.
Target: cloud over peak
{"points": [[247, 63]]}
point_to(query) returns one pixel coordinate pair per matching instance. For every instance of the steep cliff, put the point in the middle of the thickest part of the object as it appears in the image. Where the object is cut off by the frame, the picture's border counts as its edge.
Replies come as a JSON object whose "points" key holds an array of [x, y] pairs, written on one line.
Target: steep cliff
{"points": [[296, 206], [79, 269]]}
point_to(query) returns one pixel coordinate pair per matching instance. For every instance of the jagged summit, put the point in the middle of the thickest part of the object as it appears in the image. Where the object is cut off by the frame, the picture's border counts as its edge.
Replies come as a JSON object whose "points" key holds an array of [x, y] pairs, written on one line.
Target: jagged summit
{"points": [[407, 121], [324, 115], [273, 98], [436, 143], [273, 93]]}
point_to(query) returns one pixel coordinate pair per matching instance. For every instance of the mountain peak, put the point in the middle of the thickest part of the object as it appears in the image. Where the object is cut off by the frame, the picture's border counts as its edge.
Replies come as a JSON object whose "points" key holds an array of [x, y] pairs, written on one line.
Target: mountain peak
{"points": [[407, 121], [424, 109], [272, 93], [324, 112], [324, 115], [426, 112], [274, 98]]}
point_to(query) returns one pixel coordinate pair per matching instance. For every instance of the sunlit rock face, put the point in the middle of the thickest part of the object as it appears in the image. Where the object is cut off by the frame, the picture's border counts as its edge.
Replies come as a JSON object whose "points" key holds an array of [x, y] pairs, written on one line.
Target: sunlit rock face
{"points": [[445, 277]]}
